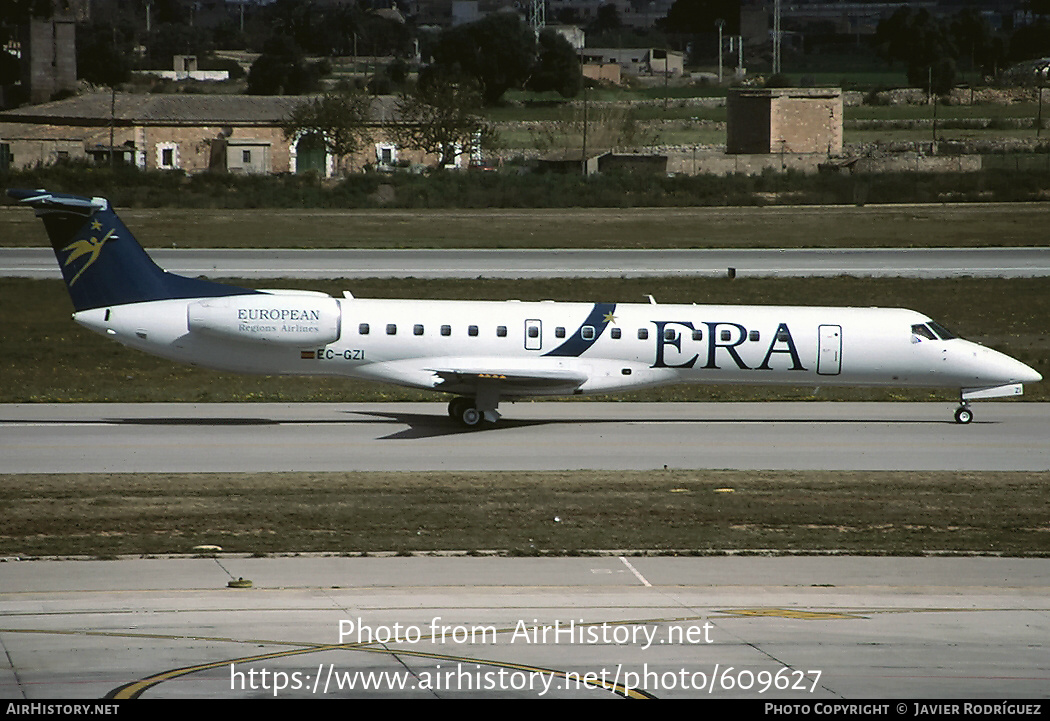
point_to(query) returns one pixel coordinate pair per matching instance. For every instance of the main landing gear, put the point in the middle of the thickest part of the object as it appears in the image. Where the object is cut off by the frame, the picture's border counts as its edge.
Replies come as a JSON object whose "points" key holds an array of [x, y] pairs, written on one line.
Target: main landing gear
{"points": [[963, 414], [468, 413]]}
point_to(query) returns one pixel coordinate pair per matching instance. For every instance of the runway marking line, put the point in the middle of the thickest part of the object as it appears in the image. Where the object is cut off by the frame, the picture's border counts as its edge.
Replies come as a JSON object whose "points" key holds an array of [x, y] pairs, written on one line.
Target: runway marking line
{"points": [[136, 688], [790, 613], [634, 570]]}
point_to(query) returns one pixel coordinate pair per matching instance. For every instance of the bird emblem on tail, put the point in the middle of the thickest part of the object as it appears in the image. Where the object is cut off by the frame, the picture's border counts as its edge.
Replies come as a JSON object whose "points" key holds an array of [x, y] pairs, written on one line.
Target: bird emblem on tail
{"points": [[91, 247]]}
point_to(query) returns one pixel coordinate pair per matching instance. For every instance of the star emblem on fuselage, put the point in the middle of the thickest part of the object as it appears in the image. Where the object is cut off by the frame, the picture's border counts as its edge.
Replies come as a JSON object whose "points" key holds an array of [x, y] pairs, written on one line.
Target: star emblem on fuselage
{"points": [[609, 318]]}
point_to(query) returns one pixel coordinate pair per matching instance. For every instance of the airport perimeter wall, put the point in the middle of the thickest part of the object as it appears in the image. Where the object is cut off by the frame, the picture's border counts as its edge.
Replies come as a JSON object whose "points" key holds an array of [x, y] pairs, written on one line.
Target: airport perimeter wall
{"points": [[689, 162]]}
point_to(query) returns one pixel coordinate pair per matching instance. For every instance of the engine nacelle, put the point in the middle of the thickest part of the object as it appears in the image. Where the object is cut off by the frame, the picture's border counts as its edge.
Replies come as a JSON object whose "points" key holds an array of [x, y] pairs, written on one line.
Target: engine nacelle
{"points": [[301, 321]]}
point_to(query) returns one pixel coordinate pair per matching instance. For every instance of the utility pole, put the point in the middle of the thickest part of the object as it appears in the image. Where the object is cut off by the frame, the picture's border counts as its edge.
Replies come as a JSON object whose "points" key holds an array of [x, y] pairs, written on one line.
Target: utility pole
{"points": [[585, 98], [1039, 116], [776, 36], [720, 23]]}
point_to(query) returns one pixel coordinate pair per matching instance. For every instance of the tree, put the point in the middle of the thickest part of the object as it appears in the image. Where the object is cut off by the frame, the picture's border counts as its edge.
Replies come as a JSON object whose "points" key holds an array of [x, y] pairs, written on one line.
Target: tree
{"points": [[607, 19], [282, 70], [695, 25], [10, 71], [442, 117], [1030, 41], [557, 67], [497, 52], [103, 55], [341, 120], [923, 43], [697, 17]]}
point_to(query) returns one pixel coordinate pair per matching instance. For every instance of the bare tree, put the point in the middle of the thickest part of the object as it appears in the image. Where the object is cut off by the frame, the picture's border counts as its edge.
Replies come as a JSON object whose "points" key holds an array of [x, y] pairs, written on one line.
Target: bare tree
{"points": [[608, 128], [442, 117], [343, 121]]}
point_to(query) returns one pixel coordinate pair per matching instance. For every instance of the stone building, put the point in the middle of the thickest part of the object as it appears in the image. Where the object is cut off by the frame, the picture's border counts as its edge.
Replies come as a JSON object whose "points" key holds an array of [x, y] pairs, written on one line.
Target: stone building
{"points": [[792, 120], [49, 57], [192, 133]]}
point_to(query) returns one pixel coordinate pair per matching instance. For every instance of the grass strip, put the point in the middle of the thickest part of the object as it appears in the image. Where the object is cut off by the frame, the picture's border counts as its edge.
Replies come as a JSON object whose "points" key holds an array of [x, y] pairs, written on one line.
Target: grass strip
{"points": [[911, 226], [528, 513]]}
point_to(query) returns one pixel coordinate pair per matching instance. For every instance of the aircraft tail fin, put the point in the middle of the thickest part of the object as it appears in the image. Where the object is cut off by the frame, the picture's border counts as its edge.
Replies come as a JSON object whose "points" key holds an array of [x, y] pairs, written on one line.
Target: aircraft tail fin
{"points": [[101, 261]]}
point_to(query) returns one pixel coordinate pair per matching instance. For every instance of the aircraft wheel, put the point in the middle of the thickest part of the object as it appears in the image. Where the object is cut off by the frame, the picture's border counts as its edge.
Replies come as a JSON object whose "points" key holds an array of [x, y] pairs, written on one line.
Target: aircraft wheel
{"points": [[471, 417], [456, 407], [963, 415]]}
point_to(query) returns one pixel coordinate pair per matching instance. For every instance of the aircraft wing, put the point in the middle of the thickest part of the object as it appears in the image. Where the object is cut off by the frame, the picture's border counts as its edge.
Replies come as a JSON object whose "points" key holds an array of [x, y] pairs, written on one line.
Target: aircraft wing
{"points": [[468, 380]]}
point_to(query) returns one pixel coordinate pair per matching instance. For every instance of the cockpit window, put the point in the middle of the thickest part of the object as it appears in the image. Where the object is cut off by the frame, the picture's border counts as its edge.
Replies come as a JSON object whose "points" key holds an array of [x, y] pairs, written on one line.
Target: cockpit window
{"points": [[941, 331], [919, 332]]}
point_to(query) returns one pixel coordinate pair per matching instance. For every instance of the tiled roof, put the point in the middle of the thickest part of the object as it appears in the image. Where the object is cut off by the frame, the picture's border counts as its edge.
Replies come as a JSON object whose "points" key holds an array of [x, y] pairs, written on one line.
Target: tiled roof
{"points": [[176, 109]]}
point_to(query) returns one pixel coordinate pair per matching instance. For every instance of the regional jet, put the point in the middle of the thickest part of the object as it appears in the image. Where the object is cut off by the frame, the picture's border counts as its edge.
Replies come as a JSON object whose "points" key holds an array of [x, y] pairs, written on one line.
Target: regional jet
{"points": [[484, 352]]}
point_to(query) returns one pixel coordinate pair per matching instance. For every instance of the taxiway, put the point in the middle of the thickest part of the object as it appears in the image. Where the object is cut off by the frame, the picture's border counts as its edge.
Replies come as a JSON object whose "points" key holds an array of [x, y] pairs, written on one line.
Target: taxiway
{"points": [[801, 629], [217, 437], [565, 263]]}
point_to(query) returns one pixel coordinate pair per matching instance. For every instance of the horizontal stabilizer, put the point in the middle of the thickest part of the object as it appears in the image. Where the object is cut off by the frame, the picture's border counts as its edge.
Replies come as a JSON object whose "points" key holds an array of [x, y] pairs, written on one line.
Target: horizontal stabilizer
{"points": [[44, 200]]}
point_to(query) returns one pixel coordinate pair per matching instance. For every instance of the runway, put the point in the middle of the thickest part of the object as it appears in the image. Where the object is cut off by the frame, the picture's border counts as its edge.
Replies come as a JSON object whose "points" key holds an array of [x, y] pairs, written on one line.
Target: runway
{"points": [[217, 437], [555, 263], [800, 630]]}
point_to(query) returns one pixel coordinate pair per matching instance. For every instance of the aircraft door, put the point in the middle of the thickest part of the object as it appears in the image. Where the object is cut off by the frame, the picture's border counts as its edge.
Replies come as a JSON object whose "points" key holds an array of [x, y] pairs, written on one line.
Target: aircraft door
{"points": [[533, 335], [829, 354]]}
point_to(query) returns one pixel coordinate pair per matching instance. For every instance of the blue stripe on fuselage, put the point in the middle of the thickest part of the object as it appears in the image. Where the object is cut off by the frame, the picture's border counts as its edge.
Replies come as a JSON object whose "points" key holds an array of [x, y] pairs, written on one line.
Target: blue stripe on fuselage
{"points": [[576, 345]]}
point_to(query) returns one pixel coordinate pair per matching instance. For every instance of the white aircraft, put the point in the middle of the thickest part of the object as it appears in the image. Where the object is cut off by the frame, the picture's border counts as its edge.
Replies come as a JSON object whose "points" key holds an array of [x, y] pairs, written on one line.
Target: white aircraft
{"points": [[483, 352]]}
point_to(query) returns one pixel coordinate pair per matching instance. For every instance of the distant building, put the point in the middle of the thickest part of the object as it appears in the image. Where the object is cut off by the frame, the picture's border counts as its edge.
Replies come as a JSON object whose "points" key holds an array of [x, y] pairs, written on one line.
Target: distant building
{"points": [[191, 133], [638, 61], [639, 14], [185, 68], [573, 34], [794, 120], [49, 57], [602, 72]]}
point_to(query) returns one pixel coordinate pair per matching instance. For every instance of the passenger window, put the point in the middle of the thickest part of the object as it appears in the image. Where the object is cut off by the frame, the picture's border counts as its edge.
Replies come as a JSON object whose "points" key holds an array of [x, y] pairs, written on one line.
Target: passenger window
{"points": [[782, 335], [726, 335], [559, 332], [391, 329], [753, 336], [698, 334], [417, 329], [615, 333], [363, 329], [643, 334], [501, 331], [446, 330], [669, 334], [472, 330], [587, 332], [533, 332]]}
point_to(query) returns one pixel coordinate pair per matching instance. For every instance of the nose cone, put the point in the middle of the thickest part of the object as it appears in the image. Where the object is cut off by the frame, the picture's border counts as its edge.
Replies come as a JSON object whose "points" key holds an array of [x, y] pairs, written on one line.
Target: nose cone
{"points": [[977, 365], [1029, 374], [1010, 370]]}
